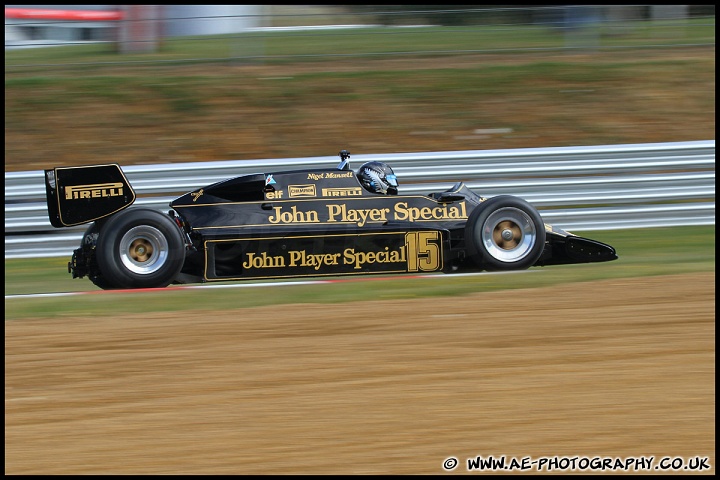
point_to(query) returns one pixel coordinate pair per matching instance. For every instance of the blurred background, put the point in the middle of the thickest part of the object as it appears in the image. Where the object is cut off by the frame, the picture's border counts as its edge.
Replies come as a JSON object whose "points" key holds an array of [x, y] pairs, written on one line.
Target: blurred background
{"points": [[191, 381], [147, 84], [145, 28]]}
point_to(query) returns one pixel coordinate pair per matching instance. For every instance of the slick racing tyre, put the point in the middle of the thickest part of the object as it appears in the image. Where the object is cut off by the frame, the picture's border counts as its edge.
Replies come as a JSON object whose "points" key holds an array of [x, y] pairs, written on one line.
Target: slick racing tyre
{"points": [[139, 248], [505, 233]]}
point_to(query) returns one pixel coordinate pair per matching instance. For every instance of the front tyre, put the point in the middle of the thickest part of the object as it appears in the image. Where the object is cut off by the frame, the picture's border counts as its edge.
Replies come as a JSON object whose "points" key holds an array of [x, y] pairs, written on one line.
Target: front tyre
{"points": [[505, 233], [140, 248]]}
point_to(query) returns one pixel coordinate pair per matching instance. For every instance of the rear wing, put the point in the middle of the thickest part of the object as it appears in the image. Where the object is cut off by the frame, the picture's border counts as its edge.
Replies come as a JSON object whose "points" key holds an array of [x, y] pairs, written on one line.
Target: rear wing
{"points": [[77, 195]]}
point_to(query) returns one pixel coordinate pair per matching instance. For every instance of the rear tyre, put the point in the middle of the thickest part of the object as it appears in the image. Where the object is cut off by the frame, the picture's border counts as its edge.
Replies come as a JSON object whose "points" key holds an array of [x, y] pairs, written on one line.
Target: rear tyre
{"points": [[139, 248], [505, 233]]}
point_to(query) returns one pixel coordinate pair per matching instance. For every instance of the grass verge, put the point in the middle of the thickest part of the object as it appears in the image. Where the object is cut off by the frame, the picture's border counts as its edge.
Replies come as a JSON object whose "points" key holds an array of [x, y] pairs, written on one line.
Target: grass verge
{"points": [[643, 252]]}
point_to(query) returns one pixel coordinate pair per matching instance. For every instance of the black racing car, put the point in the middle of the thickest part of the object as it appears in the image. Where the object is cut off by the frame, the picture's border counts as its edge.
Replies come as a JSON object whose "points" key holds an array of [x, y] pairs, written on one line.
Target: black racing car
{"points": [[326, 222]]}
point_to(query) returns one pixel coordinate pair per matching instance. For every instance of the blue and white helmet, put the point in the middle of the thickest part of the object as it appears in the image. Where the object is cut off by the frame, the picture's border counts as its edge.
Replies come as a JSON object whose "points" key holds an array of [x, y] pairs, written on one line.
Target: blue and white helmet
{"points": [[378, 177]]}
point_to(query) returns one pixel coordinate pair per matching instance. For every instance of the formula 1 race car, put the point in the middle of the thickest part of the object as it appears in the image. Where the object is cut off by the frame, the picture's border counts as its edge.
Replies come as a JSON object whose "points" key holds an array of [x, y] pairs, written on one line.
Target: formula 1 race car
{"points": [[325, 222]]}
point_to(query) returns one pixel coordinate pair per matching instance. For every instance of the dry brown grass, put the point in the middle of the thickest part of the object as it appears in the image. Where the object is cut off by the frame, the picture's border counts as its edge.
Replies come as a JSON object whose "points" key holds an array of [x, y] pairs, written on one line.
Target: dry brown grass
{"points": [[222, 112]]}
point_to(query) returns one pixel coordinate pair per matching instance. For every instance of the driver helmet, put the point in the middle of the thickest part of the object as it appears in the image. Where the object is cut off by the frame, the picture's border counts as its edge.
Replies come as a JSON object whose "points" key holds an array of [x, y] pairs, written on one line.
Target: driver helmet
{"points": [[378, 177]]}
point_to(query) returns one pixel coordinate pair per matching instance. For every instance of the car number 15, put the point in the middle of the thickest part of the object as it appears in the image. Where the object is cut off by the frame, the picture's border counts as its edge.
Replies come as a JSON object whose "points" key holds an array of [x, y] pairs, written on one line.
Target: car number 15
{"points": [[424, 252]]}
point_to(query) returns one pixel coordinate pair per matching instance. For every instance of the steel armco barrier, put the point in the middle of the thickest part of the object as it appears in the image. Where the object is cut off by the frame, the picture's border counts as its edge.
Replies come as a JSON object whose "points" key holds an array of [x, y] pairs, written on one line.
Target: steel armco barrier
{"points": [[575, 188]]}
